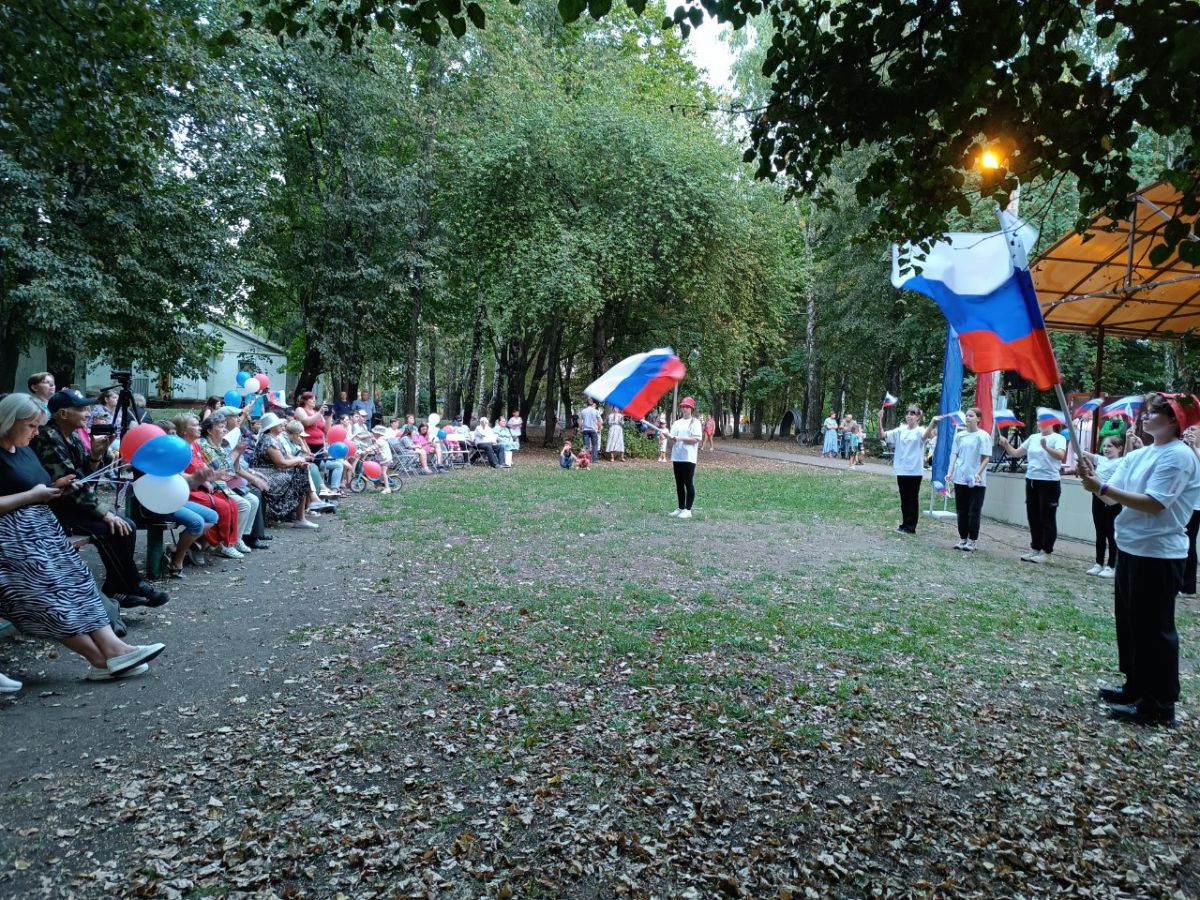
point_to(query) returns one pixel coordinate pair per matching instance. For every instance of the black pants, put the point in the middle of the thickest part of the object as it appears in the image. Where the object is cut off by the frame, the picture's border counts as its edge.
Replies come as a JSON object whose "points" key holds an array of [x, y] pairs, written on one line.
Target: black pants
{"points": [[492, 454], [1147, 643], [685, 488], [910, 501], [968, 503], [1189, 567], [1104, 517], [259, 528], [1041, 508], [121, 574]]}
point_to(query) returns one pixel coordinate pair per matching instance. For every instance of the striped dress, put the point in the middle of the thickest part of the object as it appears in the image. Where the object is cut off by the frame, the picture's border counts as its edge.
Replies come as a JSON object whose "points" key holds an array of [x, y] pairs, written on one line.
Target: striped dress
{"points": [[46, 589]]}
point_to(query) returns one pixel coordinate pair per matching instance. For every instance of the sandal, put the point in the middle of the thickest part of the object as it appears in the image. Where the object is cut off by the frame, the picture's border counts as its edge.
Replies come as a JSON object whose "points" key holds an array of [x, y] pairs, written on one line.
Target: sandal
{"points": [[170, 569]]}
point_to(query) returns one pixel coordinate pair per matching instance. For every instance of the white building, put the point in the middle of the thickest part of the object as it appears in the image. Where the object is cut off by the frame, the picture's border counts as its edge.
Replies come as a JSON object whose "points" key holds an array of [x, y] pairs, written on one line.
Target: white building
{"points": [[241, 350]]}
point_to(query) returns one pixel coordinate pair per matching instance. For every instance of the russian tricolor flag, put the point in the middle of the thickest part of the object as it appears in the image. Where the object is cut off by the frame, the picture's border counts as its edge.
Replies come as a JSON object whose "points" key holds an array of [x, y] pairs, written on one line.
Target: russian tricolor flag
{"points": [[1127, 407], [1088, 406], [986, 299], [889, 400], [1047, 416], [1005, 419], [637, 383], [957, 419]]}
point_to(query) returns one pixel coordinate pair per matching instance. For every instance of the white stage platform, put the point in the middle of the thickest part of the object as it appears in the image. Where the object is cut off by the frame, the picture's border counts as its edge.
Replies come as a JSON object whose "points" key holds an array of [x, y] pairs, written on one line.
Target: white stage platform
{"points": [[1005, 502]]}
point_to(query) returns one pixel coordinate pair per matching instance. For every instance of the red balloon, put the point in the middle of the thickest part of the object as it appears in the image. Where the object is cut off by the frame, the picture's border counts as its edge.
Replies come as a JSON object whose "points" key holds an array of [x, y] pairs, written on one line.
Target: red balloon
{"points": [[263, 381], [132, 440], [353, 449], [372, 469], [337, 433]]}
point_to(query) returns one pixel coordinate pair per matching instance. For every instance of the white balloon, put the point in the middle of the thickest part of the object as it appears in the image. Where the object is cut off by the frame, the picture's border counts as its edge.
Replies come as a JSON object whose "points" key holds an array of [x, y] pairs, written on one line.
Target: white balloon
{"points": [[251, 386], [162, 494], [434, 418]]}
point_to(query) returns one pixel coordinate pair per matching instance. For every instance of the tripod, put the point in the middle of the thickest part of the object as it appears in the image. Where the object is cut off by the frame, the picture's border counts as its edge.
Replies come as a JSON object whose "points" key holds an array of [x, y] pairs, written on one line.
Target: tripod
{"points": [[127, 410]]}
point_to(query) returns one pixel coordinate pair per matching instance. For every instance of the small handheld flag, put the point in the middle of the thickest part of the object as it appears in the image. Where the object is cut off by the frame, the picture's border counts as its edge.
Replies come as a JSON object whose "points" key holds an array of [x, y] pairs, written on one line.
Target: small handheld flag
{"points": [[957, 419], [889, 400], [1005, 419], [941, 488], [1088, 406], [638, 382], [1126, 407], [1047, 416]]}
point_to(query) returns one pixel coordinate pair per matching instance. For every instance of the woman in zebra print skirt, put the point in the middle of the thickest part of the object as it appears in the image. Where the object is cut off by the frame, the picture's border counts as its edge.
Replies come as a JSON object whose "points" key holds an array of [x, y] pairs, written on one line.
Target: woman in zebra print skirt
{"points": [[46, 590]]}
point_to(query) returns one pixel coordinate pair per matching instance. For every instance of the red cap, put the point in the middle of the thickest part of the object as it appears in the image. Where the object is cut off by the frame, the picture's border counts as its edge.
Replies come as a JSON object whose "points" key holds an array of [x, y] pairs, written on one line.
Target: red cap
{"points": [[1186, 408], [687, 401]]}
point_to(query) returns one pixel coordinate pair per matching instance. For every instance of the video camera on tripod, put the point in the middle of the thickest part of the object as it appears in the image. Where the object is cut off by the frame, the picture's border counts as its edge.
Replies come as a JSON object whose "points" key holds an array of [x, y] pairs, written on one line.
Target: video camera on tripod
{"points": [[127, 411]]}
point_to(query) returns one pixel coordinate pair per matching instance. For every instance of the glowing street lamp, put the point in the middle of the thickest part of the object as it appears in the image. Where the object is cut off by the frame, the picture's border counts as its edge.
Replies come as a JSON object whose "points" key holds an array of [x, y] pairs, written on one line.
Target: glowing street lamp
{"points": [[989, 160]]}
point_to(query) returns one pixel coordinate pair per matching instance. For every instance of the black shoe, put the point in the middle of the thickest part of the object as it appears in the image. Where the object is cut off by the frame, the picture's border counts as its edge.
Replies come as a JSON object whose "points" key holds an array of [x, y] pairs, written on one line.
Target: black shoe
{"points": [[266, 537], [1115, 695], [130, 601], [255, 544], [1143, 712], [153, 595]]}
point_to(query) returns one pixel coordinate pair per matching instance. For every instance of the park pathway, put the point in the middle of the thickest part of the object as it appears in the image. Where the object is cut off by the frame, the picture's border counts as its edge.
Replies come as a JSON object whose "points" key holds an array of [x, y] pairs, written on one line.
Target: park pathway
{"points": [[806, 459]]}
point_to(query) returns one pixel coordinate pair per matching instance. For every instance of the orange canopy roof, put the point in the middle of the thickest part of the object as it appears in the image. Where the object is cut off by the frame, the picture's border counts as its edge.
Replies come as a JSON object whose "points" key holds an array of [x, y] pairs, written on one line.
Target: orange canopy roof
{"points": [[1107, 281]]}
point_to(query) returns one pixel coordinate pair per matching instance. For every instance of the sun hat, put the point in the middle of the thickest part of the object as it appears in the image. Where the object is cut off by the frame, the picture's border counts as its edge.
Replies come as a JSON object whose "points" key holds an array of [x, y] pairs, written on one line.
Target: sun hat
{"points": [[228, 411], [269, 421], [379, 429], [1186, 408], [687, 401]]}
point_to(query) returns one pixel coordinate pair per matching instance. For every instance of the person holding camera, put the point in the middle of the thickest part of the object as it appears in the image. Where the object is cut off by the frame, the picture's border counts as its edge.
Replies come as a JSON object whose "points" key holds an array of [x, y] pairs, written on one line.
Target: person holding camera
{"points": [[61, 453]]}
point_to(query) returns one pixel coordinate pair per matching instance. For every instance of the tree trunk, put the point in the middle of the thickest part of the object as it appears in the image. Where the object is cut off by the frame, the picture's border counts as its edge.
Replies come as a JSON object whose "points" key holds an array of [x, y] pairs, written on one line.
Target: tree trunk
{"points": [[599, 351], [494, 401], [432, 370], [554, 340], [811, 430], [471, 378], [564, 387], [718, 410]]}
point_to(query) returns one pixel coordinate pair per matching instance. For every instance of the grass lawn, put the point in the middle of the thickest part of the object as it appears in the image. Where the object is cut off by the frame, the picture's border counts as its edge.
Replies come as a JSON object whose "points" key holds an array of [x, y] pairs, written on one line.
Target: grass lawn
{"points": [[562, 692]]}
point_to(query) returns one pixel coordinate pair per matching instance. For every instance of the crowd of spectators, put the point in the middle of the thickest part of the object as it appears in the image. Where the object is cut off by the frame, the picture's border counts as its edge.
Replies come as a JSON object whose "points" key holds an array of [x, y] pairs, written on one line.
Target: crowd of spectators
{"points": [[251, 467]]}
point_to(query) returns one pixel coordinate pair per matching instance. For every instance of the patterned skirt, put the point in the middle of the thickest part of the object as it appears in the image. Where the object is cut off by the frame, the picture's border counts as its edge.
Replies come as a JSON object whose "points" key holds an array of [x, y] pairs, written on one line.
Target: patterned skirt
{"points": [[285, 489], [46, 589]]}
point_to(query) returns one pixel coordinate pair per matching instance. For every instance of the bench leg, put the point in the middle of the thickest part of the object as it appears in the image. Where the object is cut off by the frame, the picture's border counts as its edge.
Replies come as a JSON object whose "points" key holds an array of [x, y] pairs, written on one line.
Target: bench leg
{"points": [[154, 551]]}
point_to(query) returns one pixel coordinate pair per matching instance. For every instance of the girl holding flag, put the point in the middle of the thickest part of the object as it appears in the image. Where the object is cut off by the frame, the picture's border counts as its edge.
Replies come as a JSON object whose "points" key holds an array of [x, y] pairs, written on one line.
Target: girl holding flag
{"points": [[969, 457], [908, 462], [685, 435], [1045, 451]]}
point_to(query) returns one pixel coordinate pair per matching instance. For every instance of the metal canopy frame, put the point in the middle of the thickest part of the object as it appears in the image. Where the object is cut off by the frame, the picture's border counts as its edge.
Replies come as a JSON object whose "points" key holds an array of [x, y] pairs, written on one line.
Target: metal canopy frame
{"points": [[1128, 296]]}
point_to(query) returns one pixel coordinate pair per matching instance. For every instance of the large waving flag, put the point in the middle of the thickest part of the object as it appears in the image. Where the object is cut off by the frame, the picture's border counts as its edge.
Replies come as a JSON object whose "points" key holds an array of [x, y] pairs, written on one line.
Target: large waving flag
{"points": [[986, 299], [1126, 407], [637, 383]]}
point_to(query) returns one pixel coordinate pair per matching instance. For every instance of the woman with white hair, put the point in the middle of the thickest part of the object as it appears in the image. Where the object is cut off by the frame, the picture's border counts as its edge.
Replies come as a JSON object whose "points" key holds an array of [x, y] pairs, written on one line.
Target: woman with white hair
{"points": [[46, 590], [487, 442]]}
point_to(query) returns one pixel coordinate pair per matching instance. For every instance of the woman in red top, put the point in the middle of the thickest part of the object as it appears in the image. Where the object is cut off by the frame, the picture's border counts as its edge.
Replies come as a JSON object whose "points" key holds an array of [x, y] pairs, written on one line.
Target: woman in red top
{"points": [[309, 416], [225, 533]]}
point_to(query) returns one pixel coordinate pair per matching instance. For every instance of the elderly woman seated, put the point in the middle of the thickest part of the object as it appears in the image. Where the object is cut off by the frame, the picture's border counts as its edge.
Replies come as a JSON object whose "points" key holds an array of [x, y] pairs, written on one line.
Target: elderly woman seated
{"points": [[487, 443], [287, 476], [211, 490], [46, 590], [296, 445]]}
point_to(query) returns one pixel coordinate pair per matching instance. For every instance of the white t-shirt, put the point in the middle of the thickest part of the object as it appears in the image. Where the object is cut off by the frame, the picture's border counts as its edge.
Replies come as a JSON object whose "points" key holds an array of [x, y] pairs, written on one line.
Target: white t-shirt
{"points": [[1104, 466], [909, 458], [686, 428], [589, 419], [1042, 466], [1170, 474], [967, 452]]}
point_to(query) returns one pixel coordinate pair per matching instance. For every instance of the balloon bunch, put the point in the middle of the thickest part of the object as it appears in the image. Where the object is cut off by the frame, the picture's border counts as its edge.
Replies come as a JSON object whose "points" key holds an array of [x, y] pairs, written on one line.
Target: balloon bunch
{"points": [[162, 457], [247, 386]]}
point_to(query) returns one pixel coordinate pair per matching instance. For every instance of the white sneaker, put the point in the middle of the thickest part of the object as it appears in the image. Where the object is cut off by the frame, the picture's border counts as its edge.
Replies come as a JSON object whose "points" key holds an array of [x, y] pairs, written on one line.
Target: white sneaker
{"points": [[1096, 569], [1028, 557], [685, 514], [95, 674], [241, 547], [228, 553], [1107, 572], [1038, 557], [961, 545], [675, 514], [118, 665], [304, 523], [8, 685], [970, 546]]}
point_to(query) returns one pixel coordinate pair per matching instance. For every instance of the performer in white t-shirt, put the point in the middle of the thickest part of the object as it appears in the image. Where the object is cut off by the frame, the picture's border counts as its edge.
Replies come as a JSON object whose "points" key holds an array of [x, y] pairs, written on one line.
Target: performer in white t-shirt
{"points": [[1157, 486], [685, 435], [1046, 451], [969, 456], [908, 462]]}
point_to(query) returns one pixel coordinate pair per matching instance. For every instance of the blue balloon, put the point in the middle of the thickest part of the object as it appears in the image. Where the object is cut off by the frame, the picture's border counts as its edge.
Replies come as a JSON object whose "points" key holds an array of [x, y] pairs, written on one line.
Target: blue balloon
{"points": [[337, 451], [242, 378], [441, 434], [233, 398], [166, 455]]}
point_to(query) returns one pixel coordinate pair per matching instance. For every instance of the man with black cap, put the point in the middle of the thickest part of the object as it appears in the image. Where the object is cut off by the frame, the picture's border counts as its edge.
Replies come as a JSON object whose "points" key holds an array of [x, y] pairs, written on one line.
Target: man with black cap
{"points": [[82, 511]]}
